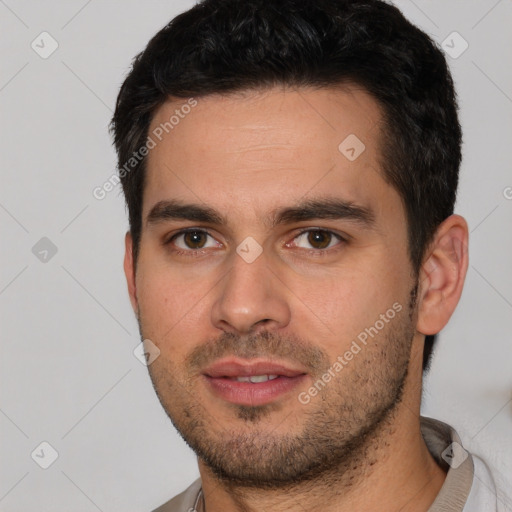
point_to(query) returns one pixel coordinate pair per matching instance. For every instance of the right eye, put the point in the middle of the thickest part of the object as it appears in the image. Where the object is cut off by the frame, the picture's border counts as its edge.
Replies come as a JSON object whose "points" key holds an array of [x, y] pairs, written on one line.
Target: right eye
{"points": [[192, 240]]}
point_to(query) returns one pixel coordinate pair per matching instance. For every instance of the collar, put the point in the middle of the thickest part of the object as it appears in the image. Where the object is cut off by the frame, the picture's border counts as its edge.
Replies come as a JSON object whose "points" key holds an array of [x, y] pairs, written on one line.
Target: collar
{"points": [[445, 446]]}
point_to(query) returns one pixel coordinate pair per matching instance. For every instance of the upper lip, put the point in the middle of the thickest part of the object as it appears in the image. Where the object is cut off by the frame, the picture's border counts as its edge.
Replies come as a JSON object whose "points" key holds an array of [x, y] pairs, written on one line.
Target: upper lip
{"points": [[239, 368]]}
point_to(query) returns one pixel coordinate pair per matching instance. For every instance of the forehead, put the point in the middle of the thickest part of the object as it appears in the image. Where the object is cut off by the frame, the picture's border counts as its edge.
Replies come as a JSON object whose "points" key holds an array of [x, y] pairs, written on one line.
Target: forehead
{"points": [[252, 151]]}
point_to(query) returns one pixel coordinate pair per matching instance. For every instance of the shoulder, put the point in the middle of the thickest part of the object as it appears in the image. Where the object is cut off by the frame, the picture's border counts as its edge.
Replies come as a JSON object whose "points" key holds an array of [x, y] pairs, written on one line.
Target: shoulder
{"points": [[483, 496]]}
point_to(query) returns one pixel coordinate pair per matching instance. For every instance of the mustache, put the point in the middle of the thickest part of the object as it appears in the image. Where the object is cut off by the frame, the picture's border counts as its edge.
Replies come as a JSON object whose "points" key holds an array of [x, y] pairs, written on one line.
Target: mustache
{"points": [[266, 345]]}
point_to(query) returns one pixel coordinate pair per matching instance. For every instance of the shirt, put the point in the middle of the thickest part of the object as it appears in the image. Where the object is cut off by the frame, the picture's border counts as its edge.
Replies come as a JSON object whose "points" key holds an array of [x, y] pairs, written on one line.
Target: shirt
{"points": [[468, 486]]}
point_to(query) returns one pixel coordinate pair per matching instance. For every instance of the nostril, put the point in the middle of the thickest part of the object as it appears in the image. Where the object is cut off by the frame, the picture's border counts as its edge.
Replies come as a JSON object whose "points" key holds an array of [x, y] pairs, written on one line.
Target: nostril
{"points": [[263, 322]]}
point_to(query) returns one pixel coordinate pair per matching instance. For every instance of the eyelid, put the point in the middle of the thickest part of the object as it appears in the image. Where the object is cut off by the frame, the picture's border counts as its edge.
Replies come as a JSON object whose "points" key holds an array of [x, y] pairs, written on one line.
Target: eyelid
{"points": [[326, 230]]}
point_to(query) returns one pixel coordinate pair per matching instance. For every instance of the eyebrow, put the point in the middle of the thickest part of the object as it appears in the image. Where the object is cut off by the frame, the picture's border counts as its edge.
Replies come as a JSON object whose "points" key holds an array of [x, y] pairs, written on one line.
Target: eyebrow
{"points": [[177, 210], [326, 208], [329, 208]]}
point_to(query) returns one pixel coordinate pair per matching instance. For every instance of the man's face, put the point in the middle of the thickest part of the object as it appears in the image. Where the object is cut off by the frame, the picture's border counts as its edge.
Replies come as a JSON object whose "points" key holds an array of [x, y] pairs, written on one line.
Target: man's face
{"points": [[294, 248]]}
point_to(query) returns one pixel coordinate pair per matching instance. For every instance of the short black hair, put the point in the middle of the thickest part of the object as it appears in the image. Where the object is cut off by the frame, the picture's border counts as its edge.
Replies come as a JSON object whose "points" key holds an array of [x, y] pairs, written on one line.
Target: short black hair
{"points": [[223, 46]]}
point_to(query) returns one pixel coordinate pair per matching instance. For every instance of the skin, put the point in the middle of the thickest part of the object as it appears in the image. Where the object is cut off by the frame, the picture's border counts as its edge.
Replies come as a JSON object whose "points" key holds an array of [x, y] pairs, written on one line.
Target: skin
{"points": [[247, 155]]}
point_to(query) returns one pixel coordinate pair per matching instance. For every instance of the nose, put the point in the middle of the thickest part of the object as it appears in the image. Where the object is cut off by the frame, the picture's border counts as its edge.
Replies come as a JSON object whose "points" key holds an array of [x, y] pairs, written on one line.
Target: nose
{"points": [[250, 298]]}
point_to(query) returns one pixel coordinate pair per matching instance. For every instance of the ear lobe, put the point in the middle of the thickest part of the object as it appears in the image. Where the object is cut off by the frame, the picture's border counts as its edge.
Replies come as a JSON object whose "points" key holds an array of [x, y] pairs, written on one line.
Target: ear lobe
{"points": [[129, 271], [442, 275]]}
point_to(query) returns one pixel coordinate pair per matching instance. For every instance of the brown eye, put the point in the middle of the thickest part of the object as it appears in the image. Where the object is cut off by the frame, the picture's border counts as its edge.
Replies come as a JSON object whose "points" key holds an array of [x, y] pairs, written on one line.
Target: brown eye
{"points": [[195, 239], [191, 240], [319, 239]]}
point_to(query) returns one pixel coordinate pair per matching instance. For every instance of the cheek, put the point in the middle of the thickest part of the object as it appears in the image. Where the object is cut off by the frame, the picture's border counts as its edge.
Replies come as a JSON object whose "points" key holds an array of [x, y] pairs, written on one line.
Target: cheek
{"points": [[346, 301], [170, 308]]}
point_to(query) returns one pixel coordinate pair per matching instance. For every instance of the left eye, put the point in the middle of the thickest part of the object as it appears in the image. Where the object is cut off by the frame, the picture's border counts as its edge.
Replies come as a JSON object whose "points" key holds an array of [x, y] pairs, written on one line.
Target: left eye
{"points": [[316, 239]]}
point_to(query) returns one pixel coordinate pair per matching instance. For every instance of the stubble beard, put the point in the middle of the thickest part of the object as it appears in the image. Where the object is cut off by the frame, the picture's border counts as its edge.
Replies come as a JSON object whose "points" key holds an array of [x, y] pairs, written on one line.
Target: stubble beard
{"points": [[337, 434]]}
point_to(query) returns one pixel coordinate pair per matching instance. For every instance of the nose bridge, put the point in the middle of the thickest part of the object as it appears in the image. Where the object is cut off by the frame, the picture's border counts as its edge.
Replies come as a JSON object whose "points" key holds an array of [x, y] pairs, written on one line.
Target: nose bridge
{"points": [[250, 295]]}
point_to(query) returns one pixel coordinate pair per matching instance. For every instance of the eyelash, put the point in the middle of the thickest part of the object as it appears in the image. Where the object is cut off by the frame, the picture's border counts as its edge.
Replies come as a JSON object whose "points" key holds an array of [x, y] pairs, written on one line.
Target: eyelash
{"points": [[200, 252], [189, 252], [321, 252]]}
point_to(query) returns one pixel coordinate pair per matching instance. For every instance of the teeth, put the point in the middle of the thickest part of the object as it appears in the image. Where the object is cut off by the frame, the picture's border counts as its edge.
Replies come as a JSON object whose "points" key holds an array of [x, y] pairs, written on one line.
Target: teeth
{"points": [[256, 378]]}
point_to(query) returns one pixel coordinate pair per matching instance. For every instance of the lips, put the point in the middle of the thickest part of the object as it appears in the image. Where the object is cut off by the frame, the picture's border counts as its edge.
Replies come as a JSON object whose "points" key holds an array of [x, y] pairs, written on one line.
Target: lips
{"points": [[252, 382], [233, 368]]}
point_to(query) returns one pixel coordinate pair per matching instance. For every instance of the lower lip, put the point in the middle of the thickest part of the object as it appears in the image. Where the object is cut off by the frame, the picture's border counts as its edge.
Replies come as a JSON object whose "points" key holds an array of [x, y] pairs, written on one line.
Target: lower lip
{"points": [[253, 394]]}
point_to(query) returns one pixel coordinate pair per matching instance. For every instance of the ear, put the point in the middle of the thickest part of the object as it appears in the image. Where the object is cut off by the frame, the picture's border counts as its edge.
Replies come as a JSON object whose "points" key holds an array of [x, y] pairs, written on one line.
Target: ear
{"points": [[442, 275], [129, 271]]}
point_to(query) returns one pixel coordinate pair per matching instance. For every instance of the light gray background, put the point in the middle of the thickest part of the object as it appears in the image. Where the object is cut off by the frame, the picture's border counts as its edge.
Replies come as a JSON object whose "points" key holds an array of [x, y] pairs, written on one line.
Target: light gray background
{"points": [[68, 373]]}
